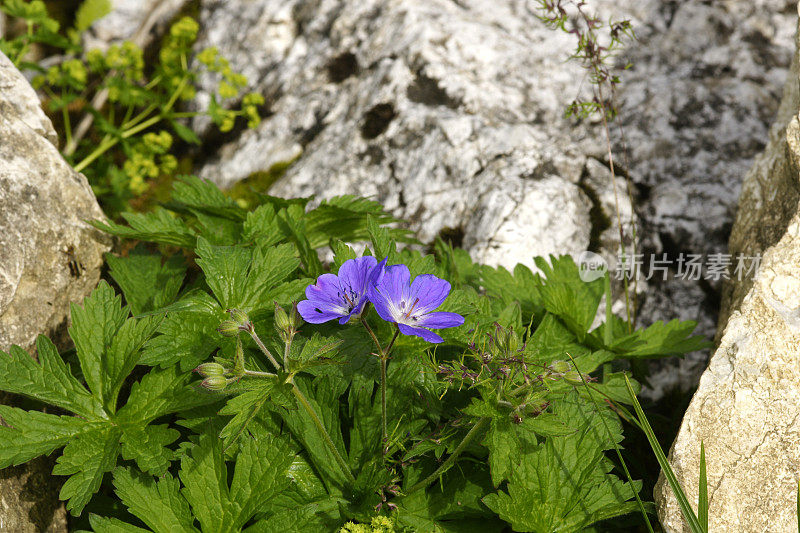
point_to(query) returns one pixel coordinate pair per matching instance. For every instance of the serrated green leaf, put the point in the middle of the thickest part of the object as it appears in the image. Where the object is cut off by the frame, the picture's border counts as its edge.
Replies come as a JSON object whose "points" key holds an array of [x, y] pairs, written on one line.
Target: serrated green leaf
{"points": [[86, 458], [94, 325], [156, 226], [147, 283], [187, 335], [341, 253], [262, 224], [147, 446], [158, 504], [661, 340], [102, 524], [160, 392], [48, 380], [123, 354], [292, 223], [382, 243], [307, 352], [29, 434], [548, 480], [261, 473], [203, 196], [244, 407], [205, 480], [346, 218], [567, 296], [242, 278]]}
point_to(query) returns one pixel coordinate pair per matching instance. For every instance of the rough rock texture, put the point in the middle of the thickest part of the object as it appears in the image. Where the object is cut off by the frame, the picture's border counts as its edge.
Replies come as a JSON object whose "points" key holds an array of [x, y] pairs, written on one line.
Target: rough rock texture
{"points": [[48, 258], [769, 199], [451, 114], [139, 20], [426, 106], [48, 255], [745, 409]]}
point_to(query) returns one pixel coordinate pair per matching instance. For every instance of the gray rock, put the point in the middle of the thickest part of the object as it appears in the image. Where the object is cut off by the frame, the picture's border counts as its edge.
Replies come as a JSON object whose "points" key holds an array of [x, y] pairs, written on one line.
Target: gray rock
{"points": [[451, 114], [745, 408], [137, 20], [49, 257], [744, 411], [404, 104]]}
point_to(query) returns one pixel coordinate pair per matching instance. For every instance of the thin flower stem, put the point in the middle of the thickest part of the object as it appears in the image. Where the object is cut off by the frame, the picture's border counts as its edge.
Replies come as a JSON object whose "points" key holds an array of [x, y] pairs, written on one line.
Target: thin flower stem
{"points": [[384, 363], [286, 348], [257, 374], [327, 438], [453, 456], [391, 343], [371, 333], [263, 349]]}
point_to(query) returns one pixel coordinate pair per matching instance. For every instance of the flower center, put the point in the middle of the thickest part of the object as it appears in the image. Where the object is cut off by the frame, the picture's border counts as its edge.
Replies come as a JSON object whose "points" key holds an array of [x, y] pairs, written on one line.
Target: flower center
{"points": [[407, 314]]}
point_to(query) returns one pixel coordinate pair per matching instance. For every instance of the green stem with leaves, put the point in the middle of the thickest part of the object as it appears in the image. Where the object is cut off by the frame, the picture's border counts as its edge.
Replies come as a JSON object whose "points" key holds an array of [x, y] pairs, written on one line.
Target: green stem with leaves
{"points": [[476, 429], [301, 398], [383, 355], [321, 427]]}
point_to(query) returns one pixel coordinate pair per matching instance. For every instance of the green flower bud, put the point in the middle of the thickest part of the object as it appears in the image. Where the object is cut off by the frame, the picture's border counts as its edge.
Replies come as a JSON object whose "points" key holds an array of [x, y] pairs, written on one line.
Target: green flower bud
{"points": [[228, 328], [240, 317], [282, 323], [287, 324], [560, 367], [210, 369], [214, 383]]}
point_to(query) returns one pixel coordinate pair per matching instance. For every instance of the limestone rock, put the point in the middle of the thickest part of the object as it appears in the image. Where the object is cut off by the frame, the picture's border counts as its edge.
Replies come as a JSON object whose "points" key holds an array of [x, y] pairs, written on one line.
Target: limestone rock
{"points": [[745, 409], [769, 199], [429, 107], [49, 257], [137, 20], [451, 114]]}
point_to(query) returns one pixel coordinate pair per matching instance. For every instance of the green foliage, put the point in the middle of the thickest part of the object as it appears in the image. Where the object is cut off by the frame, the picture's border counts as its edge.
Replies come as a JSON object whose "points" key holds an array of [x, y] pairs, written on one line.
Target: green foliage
{"points": [[129, 147], [496, 427], [108, 343]]}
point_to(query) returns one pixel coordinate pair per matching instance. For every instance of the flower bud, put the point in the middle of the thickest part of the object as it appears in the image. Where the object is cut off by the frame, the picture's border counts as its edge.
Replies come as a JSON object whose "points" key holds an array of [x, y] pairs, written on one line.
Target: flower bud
{"points": [[240, 317], [287, 324], [210, 369], [214, 383], [560, 367], [228, 328], [282, 322]]}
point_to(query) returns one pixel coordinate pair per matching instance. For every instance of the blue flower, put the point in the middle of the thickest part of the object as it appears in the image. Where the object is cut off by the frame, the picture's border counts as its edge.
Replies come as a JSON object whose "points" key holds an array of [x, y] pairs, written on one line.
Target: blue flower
{"points": [[411, 305], [340, 296]]}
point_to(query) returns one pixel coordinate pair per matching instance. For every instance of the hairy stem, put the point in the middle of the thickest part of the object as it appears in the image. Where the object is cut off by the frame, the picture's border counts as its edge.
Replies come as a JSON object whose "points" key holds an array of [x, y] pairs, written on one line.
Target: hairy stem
{"points": [[264, 349], [477, 428]]}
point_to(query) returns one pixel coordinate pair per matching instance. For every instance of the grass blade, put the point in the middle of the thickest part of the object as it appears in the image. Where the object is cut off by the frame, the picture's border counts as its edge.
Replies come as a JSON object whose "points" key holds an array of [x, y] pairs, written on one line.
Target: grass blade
{"points": [[702, 490], [683, 502]]}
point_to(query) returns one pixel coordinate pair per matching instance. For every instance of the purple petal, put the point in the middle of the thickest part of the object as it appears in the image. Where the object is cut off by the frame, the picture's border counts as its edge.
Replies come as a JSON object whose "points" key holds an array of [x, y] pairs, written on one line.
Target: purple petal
{"points": [[325, 289], [317, 312], [354, 273], [430, 290], [390, 291], [381, 304], [419, 332], [377, 273], [440, 319]]}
